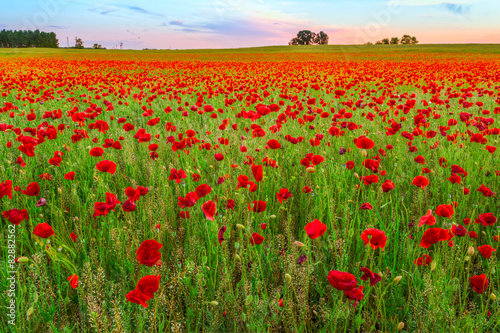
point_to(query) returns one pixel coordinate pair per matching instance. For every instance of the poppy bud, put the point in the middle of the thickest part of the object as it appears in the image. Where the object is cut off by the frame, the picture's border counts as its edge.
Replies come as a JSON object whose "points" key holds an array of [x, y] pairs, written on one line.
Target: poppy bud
{"points": [[237, 257], [288, 278], [214, 303], [240, 226], [21, 260], [470, 251], [357, 176], [29, 313], [401, 325], [493, 297], [272, 217], [467, 258], [299, 244], [433, 265], [59, 190], [397, 279], [310, 170], [364, 153]]}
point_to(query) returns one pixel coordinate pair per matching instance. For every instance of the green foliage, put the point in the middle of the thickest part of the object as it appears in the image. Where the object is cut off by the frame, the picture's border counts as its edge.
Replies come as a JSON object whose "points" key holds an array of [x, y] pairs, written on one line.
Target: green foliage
{"points": [[28, 38], [307, 37]]}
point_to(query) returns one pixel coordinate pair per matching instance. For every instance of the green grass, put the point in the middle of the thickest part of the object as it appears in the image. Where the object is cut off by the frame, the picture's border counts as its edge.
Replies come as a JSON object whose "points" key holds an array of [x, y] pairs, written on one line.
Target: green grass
{"points": [[247, 281]]}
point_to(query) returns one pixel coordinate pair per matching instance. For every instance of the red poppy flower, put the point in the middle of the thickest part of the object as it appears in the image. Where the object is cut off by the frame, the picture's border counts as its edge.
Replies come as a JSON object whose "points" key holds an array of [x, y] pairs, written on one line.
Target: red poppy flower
{"points": [[73, 236], [486, 251], [219, 157], [19, 160], [349, 165], [184, 215], [283, 194], [96, 152], [315, 229], [145, 289], [230, 204], [256, 239], [147, 253], [135, 194], [355, 294], [434, 235], [423, 261], [388, 185], [15, 216], [70, 175], [342, 280], [203, 190], [375, 237], [486, 219], [177, 175], [221, 234], [371, 179], [273, 144], [366, 206], [306, 189], [459, 230], [32, 190], [420, 181], [6, 189], [364, 143], [428, 219], [129, 206], [472, 234], [73, 281], [455, 179], [491, 149], [103, 208], [106, 166], [486, 191], [479, 283], [445, 211], [43, 230], [257, 172], [135, 296], [368, 274], [419, 159], [257, 206], [208, 209]]}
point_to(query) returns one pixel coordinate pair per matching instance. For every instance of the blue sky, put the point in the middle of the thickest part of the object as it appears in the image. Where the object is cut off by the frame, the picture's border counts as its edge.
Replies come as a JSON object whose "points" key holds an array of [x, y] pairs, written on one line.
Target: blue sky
{"points": [[241, 23]]}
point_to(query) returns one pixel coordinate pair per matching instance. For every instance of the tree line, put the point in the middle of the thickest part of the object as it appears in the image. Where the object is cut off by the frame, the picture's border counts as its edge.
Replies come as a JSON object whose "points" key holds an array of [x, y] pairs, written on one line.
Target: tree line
{"points": [[405, 40], [307, 37], [28, 38]]}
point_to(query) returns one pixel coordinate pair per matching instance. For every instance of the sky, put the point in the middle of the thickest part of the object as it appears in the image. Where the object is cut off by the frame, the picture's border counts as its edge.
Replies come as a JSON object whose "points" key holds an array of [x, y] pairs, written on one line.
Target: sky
{"points": [[194, 24]]}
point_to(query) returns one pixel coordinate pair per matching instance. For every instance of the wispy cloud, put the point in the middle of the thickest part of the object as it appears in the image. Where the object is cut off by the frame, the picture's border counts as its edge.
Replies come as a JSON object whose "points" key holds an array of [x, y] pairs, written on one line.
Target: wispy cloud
{"points": [[431, 2], [105, 9], [176, 22], [457, 9], [58, 26]]}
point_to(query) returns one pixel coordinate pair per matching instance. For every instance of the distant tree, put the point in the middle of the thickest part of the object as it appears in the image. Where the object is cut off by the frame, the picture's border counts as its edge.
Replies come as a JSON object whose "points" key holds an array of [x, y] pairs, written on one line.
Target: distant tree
{"points": [[407, 39], [79, 43], [394, 40], [385, 41], [97, 46], [304, 37], [368, 43], [321, 38], [379, 42]]}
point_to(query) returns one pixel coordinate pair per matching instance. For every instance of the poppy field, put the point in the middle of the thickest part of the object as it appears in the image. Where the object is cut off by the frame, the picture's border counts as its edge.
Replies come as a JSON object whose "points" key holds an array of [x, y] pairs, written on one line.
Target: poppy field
{"points": [[280, 191]]}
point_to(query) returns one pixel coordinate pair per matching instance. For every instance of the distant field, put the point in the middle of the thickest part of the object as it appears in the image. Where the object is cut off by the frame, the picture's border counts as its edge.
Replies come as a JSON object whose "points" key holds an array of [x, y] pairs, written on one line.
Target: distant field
{"points": [[273, 189]]}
